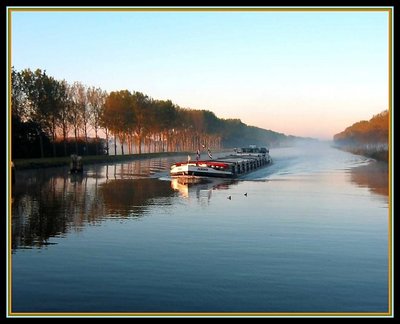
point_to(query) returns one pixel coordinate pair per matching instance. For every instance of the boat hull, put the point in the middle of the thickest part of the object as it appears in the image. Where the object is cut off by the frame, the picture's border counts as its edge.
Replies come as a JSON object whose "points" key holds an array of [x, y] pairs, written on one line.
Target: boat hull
{"points": [[200, 171]]}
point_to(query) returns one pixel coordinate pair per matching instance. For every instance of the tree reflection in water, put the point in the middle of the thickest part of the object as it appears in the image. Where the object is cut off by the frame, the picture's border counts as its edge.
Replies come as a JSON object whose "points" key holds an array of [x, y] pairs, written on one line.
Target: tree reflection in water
{"points": [[45, 205], [373, 176]]}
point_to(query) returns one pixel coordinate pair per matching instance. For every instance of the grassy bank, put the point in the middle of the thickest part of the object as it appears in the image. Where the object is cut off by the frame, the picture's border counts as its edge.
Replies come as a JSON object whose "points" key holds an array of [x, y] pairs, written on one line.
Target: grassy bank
{"points": [[90, 159], [377, 154]]}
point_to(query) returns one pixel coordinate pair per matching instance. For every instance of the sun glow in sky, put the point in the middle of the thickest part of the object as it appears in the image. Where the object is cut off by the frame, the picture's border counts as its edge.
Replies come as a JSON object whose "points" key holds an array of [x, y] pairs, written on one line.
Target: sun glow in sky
{"points": [[303, 73]]}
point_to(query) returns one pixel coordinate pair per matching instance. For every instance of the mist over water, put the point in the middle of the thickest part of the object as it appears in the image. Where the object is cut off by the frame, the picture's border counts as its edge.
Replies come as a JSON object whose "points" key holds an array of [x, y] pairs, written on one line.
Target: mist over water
{"points": [[308, 233], [308, 159]]}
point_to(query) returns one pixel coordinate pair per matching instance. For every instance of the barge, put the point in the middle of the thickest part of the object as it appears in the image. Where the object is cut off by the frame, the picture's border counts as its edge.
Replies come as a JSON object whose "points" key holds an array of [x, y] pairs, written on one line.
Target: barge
{"points": [[76, 165], [241, 162]]}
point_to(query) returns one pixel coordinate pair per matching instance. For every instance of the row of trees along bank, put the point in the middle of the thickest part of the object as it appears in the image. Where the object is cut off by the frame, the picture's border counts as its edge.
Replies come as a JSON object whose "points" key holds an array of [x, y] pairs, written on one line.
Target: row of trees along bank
{"points": [[54, 118], [369, 138]]}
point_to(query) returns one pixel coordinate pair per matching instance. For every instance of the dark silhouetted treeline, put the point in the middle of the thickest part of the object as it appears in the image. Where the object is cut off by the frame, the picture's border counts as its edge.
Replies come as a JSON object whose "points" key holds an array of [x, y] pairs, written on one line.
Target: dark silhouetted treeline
{"points": [[53, 118], [369, 138]]}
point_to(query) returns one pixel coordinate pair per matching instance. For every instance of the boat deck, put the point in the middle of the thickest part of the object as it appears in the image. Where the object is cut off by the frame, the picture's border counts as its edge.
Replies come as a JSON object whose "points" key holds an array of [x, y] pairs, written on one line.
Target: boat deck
{"points": [[231, 166]]}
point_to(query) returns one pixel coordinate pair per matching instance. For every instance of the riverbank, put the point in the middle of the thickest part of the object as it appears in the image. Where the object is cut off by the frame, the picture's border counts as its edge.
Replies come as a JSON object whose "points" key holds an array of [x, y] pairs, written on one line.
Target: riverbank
{"points": [[374, 153], [21, 164]]}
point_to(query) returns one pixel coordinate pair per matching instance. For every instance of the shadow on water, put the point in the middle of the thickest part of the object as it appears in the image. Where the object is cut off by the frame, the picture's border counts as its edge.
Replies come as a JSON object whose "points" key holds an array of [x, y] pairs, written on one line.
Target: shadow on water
{"points": [[373, 176]]}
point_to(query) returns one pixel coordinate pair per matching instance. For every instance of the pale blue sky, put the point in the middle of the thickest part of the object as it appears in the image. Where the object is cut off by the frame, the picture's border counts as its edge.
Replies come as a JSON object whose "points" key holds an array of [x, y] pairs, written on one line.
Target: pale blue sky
{"points": [[299, 73]]}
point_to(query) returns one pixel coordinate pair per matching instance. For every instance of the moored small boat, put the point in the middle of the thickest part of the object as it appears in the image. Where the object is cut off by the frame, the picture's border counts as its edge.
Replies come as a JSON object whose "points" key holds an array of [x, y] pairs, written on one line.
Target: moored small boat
{"points": [[234, 165], [76, 165]]}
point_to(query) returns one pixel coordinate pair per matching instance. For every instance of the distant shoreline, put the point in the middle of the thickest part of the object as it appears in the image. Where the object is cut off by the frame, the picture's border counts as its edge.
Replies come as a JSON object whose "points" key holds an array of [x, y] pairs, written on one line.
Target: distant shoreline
{"points": [[37, 163]]}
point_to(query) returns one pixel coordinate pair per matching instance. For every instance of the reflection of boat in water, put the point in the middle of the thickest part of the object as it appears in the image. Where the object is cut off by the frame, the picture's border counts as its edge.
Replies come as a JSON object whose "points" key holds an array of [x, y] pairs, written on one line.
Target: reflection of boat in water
{"points": [[76, 177], [187, 185], [243, 161]]}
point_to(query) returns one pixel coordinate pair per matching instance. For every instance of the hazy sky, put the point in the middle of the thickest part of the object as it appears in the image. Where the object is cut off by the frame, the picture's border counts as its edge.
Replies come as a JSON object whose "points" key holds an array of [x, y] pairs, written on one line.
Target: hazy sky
{"points": [[305, 73]]}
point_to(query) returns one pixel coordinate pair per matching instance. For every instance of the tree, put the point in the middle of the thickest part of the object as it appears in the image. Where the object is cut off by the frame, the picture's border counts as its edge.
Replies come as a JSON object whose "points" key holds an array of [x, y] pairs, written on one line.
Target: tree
{"points": [[65, 119], [96, 100], [375, 131], [55, 94], [163, 118], [141, 103], [76, 94], [118, 115], [41, 108], [18, 96]]}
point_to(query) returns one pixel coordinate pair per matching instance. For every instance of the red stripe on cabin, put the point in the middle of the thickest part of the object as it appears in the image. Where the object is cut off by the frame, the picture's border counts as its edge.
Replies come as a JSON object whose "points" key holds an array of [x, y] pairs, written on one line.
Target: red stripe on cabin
{"points": [[217, 164]]}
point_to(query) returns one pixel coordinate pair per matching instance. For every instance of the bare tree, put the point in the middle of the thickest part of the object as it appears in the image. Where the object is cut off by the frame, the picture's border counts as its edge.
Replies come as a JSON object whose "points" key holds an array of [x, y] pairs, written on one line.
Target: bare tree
{"points": [[76, 111], [65, 119]]}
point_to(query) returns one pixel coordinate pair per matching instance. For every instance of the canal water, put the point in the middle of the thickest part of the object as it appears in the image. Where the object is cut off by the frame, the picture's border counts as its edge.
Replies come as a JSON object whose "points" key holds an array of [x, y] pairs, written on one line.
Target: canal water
{"points": [[308, 233]]}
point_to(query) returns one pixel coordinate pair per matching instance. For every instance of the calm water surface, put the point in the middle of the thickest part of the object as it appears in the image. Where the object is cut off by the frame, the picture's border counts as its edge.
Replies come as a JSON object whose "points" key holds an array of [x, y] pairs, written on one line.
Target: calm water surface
{"points": [[311, 235]]}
